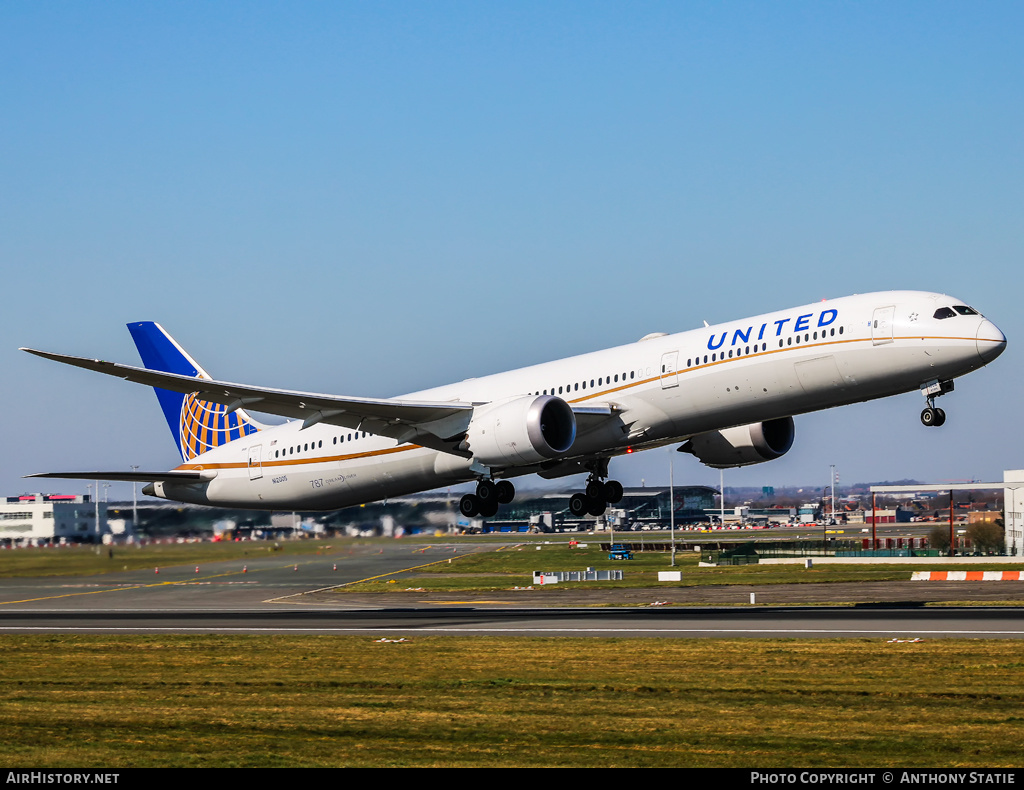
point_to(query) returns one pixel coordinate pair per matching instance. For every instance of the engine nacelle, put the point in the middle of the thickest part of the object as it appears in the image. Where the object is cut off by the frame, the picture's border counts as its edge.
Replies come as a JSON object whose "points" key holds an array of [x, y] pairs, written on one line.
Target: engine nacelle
{"points": [[521, 431], [744, 444]]}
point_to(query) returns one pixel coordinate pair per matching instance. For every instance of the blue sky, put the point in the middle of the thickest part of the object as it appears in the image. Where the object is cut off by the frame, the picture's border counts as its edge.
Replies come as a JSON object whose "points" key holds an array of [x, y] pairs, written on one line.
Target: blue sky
{"points": [[372, 198]]}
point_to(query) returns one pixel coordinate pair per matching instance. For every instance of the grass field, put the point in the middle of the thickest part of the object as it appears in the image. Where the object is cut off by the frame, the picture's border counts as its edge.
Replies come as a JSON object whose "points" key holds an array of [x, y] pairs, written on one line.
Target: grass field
{"points": [[509, 565], [265, 701]]}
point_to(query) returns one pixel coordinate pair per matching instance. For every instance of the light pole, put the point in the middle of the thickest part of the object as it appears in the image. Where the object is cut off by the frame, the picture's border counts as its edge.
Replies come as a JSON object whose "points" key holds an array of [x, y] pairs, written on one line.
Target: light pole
{"points": [[833, 468], [721, 497], [96, 511], [135, 503], [672, 506]]}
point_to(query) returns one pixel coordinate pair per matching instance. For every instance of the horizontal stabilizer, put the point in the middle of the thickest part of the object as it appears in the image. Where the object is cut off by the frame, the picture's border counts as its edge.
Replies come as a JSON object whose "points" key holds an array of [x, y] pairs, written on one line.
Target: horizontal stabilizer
{"points": [[131, 477]]}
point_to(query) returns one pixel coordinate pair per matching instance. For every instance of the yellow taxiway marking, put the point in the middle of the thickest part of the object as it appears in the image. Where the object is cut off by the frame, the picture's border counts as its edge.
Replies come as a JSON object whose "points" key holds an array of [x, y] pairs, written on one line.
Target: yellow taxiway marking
{"points": [[393, 573], [446, 603], [140, 586]]}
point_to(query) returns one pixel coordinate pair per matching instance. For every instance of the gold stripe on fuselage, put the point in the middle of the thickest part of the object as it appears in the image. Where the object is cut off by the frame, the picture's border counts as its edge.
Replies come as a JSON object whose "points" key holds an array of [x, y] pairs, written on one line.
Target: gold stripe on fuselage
{"points": [[279, 463]]}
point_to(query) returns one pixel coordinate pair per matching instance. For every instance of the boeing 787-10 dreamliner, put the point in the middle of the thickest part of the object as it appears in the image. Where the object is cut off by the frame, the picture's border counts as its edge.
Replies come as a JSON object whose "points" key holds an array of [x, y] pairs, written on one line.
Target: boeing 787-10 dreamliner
{"points": [[726, 393]]}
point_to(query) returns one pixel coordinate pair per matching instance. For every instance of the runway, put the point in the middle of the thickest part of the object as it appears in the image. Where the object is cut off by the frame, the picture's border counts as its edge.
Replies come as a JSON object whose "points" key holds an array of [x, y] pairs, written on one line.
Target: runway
{"points": [[279, 595], [776, 622]]}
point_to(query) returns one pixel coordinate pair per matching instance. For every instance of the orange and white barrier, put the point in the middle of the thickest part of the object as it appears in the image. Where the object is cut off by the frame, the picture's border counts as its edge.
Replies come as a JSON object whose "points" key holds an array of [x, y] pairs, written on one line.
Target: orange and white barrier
{"points": [[968, 576]]}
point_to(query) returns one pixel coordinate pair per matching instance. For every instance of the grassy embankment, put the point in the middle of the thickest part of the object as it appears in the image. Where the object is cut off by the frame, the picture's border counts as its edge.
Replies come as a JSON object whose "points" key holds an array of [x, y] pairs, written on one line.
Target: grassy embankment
{"points": [[510, 567], [112, 702]]}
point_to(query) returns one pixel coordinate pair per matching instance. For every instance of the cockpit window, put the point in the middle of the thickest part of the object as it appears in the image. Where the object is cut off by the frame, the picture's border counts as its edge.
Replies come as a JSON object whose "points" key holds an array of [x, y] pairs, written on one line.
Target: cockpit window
{"points": [[944, 312], [964, 309]]}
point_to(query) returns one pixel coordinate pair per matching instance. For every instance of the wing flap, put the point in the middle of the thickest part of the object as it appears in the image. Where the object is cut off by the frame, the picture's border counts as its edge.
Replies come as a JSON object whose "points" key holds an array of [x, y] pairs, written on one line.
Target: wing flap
{"points": [[590, 416]]}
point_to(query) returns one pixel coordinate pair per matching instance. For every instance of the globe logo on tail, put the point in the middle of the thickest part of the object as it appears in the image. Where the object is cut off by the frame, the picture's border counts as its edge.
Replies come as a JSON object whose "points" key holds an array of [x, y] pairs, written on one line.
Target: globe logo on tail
{"points": [[205, 425]]}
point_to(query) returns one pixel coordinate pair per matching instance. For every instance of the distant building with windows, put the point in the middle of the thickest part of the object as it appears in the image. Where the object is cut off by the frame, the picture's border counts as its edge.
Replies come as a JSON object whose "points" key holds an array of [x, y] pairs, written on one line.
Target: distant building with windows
{"points": [[47, 518]]}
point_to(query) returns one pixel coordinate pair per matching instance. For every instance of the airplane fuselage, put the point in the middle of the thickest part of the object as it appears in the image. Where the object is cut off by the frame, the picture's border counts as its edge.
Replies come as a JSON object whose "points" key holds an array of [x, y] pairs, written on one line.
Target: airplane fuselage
{"points": [[663, 389]]}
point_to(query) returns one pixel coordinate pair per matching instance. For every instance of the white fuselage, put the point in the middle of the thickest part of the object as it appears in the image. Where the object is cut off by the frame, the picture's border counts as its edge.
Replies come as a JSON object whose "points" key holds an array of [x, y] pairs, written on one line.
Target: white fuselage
{"points": [[665, 389]]}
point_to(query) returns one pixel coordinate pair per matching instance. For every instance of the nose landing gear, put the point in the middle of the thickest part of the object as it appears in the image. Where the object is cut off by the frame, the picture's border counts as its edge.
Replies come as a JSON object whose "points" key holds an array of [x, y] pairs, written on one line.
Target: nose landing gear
{"points": [[933, 416]]}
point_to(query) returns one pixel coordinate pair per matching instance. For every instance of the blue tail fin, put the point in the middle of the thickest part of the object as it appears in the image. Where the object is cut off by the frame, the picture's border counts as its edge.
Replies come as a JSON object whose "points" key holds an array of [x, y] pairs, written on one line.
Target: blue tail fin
{"points": [[197, 425]]}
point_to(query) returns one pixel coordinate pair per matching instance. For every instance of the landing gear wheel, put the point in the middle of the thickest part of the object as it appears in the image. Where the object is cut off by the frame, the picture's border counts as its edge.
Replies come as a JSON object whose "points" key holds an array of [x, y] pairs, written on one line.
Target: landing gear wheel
{"points": [[506, 492], [486, 491], [613, 492], [469, 505], [597, 507], [940, 417], [579, 505], [489, 509], [930, 417], [595, 489]]}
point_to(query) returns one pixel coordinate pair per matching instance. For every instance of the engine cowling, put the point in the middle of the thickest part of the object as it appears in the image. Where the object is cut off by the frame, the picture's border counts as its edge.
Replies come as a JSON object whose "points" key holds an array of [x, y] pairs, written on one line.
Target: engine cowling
{"points": [[744, 444], [521, 431]]}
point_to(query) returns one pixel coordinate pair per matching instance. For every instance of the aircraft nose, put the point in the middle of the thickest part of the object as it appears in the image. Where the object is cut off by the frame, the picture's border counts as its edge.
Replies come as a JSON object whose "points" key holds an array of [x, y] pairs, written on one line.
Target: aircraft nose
{"points": [[991, 341]]}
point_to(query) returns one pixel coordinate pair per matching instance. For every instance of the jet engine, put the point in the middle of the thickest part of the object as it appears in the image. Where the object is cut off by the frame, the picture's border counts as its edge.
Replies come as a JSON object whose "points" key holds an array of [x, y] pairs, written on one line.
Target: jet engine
{"points": [[743, 445], [521, 431]]}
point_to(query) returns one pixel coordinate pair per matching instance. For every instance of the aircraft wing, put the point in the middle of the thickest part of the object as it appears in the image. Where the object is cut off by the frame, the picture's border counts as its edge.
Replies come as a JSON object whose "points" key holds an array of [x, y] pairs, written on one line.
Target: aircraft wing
{"points": [[437, 425]]}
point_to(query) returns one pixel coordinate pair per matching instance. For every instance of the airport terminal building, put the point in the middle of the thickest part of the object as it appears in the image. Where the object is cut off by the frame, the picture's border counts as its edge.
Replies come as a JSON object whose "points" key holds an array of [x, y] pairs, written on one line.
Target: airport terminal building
{"points": [[638, 508], [47, 518]]}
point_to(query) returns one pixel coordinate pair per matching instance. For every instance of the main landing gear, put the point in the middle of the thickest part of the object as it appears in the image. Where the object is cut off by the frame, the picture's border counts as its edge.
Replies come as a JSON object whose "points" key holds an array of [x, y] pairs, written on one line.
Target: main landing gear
{"points": [[932, 415], [487, 498], [490, 494], [597, 497]]}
